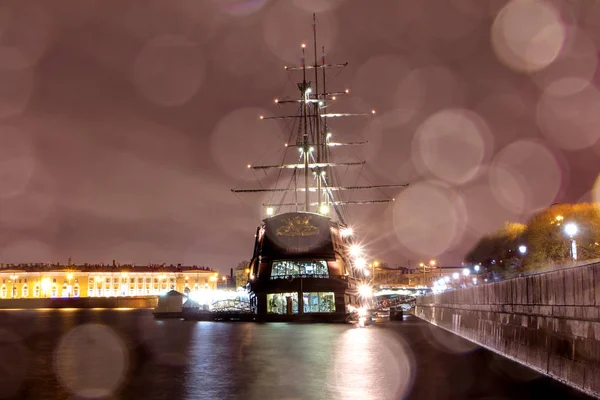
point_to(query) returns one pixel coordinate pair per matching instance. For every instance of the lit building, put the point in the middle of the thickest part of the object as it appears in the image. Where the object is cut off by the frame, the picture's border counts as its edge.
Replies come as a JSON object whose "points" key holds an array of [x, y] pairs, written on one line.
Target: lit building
{"points": [[46, 281]]}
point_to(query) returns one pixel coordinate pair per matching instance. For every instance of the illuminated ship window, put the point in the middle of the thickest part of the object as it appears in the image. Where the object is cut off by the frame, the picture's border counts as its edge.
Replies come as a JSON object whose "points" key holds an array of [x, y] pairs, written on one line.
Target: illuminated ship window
{"points": [[292, 268], [277, 303], [319, 302]]}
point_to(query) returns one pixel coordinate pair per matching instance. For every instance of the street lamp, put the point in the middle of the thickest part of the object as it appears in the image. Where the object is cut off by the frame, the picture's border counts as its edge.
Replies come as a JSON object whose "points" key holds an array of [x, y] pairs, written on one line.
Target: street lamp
{"points": [[571, 230], [522, 249]]}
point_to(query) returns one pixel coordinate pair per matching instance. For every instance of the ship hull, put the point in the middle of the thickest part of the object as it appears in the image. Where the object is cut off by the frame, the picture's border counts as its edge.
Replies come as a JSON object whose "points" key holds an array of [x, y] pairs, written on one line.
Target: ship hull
{"points": [[299, 273]]}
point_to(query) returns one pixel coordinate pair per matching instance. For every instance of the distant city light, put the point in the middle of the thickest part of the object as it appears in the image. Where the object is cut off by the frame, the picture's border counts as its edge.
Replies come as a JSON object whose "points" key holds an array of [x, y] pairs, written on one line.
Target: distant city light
{"points": [[466, 272], [522, 249], [477, 268], [455, 275]]}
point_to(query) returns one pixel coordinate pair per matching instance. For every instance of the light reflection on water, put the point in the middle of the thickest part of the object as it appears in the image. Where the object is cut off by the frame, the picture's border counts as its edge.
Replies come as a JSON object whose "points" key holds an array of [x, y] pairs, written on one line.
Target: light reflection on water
{"points": [[294, 361], [197, 360], [128, 354]]}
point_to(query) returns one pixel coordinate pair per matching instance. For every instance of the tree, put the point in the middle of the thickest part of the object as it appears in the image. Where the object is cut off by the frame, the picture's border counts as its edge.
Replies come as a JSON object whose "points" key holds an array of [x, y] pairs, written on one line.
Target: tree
{"points": [[243, 265], [498, 252], [549, 245]]}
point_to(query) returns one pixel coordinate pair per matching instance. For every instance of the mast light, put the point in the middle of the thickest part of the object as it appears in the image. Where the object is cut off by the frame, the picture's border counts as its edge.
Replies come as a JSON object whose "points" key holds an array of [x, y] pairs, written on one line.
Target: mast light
{"points": [[372, 111], [333, 98], [347, 91], [329, 134], [303, 45], [276, 101], [324, 209], [262, 117], [270, 211]]}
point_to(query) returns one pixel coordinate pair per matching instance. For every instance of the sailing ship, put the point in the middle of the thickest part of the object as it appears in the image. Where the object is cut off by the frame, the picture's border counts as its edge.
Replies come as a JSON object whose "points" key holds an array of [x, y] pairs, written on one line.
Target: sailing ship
{"points": [[307, 264]]}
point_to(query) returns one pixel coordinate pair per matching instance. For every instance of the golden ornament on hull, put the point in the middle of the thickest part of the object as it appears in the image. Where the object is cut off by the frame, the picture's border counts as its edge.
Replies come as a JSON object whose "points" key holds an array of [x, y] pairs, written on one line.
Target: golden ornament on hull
{"points": [[297, 226]]}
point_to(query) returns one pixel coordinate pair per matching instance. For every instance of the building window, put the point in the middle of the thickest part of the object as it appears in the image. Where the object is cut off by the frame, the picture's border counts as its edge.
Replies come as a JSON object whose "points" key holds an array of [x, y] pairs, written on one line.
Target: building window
{"points": [[290, 268], [25, 291], [318, 302], [277, 303], [54, 291], [36, 291], [3, 291], [76, 291]]}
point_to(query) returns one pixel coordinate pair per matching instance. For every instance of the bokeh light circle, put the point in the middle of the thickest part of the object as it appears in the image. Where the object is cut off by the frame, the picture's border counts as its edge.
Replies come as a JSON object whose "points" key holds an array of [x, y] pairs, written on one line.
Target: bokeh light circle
{"points": [[574, 68], [452, 144], [527, 35], [570, 122], [428, 218], [395, 367], [91, 361], [526, 176], [169, 70]]}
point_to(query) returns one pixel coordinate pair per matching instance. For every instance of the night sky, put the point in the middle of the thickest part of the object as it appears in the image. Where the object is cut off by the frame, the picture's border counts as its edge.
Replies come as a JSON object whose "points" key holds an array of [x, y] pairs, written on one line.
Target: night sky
{"points": [[124, 124]]}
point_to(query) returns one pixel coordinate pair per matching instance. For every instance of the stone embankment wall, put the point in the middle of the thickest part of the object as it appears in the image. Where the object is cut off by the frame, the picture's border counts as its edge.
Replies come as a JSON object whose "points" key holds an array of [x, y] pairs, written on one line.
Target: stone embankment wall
{"points": [[549, 322], [81, 302]]}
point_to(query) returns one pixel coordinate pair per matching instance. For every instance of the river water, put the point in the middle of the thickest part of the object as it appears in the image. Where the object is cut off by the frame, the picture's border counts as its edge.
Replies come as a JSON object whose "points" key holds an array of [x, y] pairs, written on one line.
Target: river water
{"points": [[127, 354]]}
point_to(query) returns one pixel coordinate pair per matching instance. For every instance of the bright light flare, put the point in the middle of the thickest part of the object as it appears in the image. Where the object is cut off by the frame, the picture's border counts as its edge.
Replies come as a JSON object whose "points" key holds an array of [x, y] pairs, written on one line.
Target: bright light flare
{"points": [[360, 263], [466, 272], [571, 229], [324, 209], [270, 211], [355, 250], [365, 290], [346, 232]]}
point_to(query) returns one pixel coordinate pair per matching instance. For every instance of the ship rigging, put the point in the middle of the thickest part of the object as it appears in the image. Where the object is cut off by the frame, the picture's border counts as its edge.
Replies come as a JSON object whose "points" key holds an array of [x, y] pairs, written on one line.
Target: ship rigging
{"points": [[314, 143]]}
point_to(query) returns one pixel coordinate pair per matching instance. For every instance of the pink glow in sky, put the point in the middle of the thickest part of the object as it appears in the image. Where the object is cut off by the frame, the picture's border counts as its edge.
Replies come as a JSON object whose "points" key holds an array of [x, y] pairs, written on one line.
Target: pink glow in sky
{"points": [[124, 125]]}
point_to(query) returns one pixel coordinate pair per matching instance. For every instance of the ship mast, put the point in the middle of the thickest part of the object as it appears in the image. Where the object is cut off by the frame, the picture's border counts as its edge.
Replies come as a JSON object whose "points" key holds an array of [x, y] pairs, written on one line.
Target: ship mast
{"points": [[313, 140], [304, 89]]}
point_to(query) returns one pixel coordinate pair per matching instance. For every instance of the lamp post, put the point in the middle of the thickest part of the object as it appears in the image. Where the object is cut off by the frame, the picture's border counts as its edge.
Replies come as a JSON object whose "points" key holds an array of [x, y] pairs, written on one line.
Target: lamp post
{"points": [[571, 230]]}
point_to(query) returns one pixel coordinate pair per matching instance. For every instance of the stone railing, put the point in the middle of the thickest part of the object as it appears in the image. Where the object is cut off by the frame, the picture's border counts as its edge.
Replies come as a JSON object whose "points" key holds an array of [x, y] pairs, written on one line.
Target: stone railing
{"points": [[549, 322]]}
